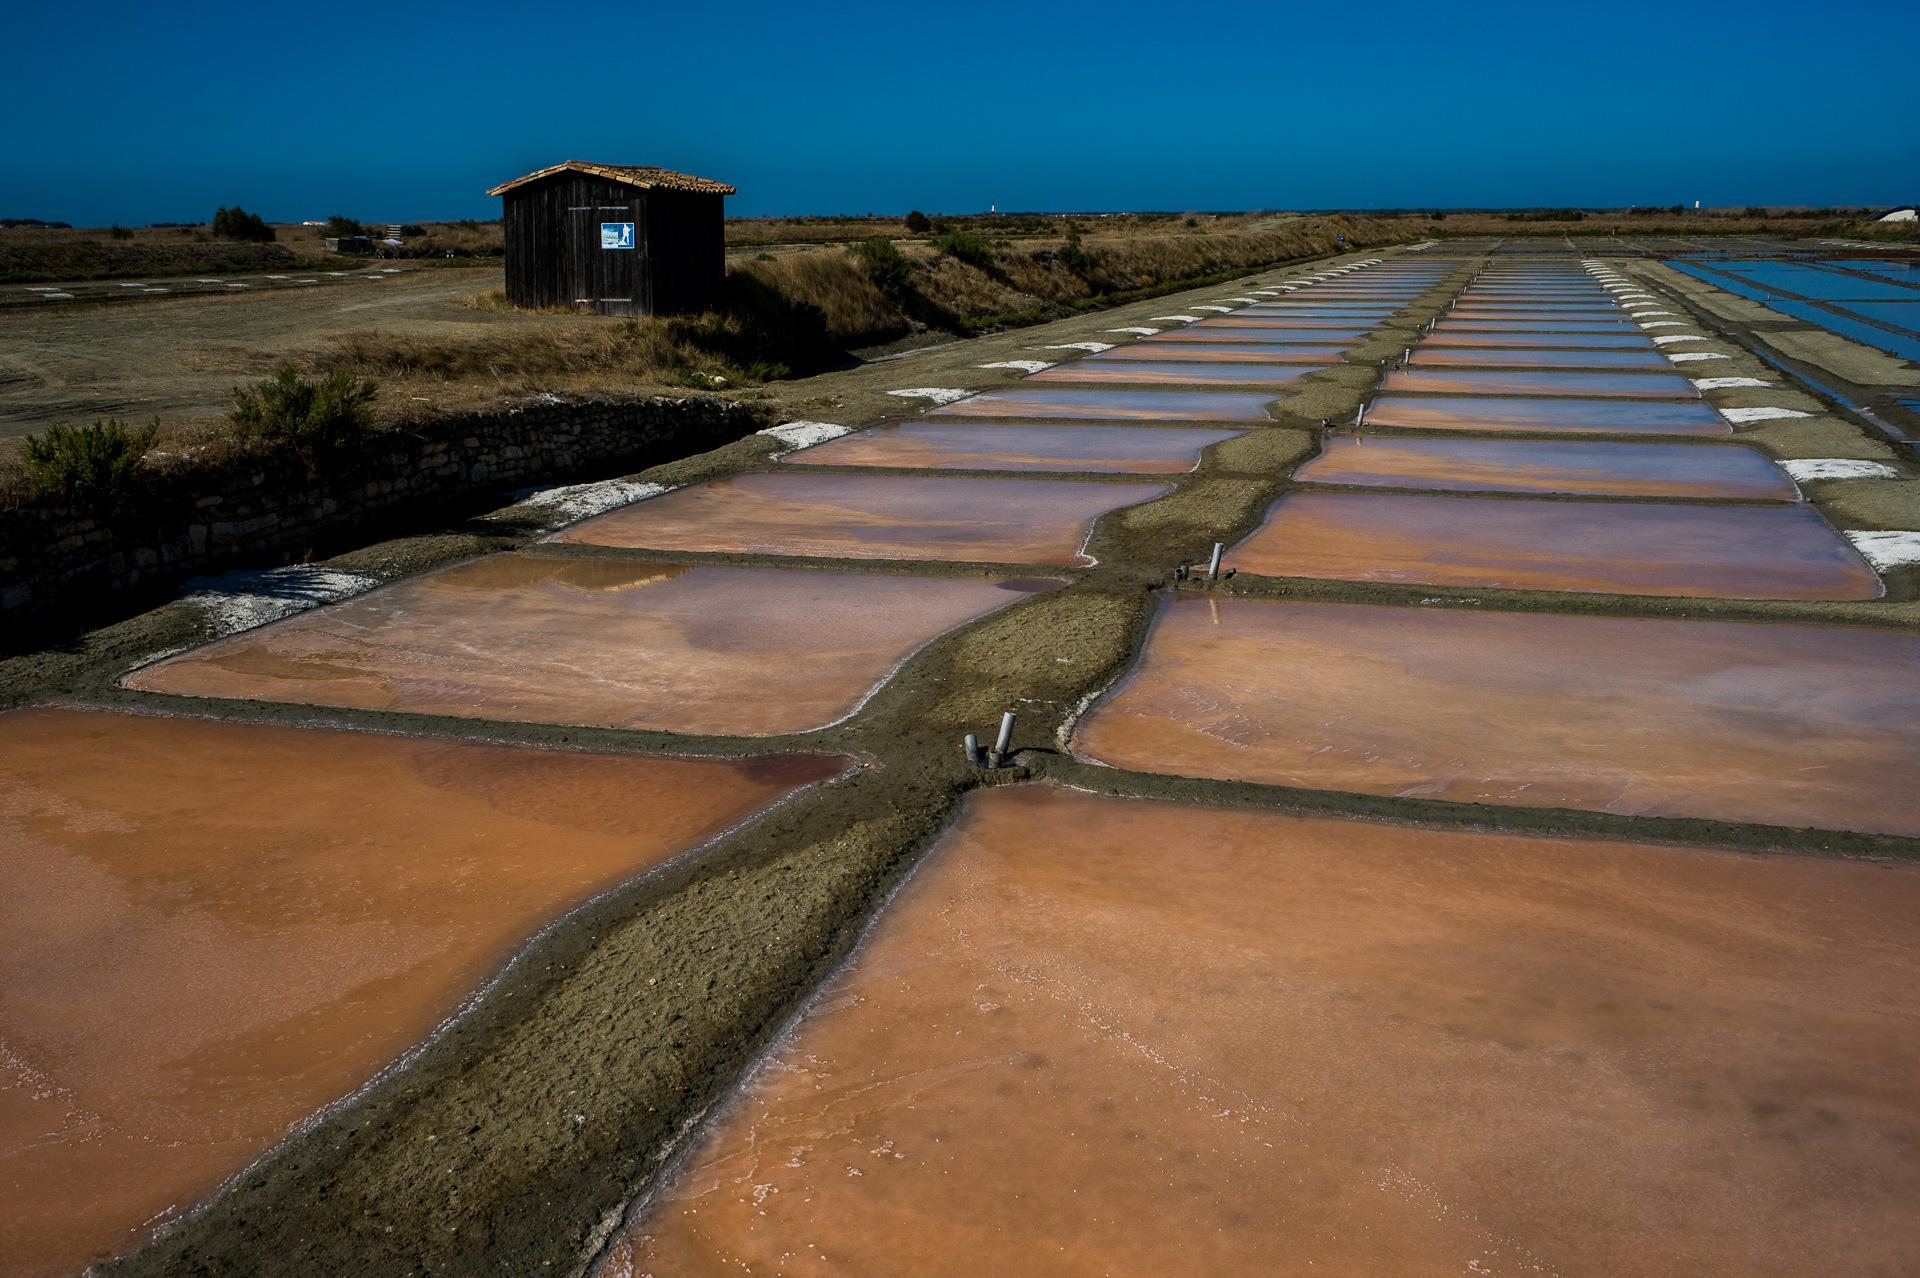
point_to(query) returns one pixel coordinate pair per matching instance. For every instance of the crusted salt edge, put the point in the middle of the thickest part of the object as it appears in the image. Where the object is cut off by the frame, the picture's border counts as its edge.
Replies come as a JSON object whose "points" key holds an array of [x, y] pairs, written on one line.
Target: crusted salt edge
{"points": [[798, 435], [1886, 549], [1681, 357], [1224, 310], [1666, 339], [237, 601], [1837, 468], [1184, 319], [1250, 301], [1095, 347], [938, 394], [1759, 414], [575, 502], [1664, 323], [1726, 383], [1642, 312], [1140, 329], [1024, 365]]}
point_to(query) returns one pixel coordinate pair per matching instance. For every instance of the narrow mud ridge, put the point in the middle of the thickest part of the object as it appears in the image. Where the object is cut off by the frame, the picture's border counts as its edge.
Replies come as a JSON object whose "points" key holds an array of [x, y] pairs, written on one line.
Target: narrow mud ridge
{"points": [[661, 994]]}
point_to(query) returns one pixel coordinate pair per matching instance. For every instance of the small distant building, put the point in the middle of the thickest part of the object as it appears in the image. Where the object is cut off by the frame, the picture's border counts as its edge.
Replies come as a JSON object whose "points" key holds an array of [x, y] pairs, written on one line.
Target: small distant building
{"points": [[350, 244], [615, 238]]}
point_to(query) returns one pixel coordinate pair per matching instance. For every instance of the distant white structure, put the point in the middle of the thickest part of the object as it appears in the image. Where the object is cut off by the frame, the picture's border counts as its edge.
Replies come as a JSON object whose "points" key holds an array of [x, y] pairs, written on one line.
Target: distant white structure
{"points": [[1899, 215]]}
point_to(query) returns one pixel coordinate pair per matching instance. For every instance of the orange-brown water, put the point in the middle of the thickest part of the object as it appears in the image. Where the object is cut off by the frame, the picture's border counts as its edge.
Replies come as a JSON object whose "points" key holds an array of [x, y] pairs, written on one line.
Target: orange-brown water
{"points": [[1492, 356], [1779, 724], [870, 517], [1550, 466], [209, 931], [1500, 382], [1599, 416], [1192, 374], [1111, 405], [1103, 1038], [587, 641], [1724, 552], [1140, 450]]}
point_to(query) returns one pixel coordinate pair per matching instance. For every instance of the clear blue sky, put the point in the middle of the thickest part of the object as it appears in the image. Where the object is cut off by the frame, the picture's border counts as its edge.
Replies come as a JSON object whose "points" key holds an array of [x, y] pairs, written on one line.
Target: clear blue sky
{"points": [[143, 112]]}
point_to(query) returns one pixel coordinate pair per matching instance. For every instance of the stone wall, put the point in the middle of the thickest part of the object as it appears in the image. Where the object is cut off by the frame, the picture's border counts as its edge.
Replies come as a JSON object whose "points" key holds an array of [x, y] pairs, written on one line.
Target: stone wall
{"points": [[258, 508]]}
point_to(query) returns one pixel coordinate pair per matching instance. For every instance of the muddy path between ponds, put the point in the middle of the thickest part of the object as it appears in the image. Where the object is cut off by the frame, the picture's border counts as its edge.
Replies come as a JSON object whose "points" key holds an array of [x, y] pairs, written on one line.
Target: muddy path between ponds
{"points": [[644, 1008]]}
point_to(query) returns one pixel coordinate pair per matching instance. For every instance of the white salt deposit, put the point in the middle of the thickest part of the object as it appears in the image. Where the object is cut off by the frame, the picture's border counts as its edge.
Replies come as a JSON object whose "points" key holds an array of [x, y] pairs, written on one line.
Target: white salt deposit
{"points": [[1184, 319], [1144, 332], [562, 506], [1224, 310], [1726, 383], [1760, 414], [1665, 323], [1024, 365], [1888, 549], [938, 394], [1095, 347], [798, 435], [1667, 339], [1640, 312], [1681, 357], [1250, 301], [1837, 468], [237, 601]]}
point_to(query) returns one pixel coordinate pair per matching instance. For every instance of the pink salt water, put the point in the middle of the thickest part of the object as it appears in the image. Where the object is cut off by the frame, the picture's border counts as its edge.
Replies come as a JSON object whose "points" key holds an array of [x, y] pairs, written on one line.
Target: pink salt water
{"points": [[1106, 1038], [211, 930], [1110, 405], [870, 517], [750, 651], [1501, 382], [1719, 552], [1300, 362], [1470, 339], [1266, 334], [1240, 352], [1778, 724], [1550, 466], [1560, 357], [1597, 416], [994, 446]]}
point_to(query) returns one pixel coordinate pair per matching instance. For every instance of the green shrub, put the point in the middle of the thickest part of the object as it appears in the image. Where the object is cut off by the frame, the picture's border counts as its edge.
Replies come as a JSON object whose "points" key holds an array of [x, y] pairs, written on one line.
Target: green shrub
{"points": [[1072, 256], [95, 466], [237, 224], [891, 273], [119, 232], [341, 227], [965, 246], [917, 223], [320, 420]]}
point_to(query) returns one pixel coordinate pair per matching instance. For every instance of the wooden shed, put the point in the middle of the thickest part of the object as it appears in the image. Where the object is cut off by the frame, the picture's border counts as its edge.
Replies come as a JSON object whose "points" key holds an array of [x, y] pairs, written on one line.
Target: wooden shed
{"points": [[620, 239]]}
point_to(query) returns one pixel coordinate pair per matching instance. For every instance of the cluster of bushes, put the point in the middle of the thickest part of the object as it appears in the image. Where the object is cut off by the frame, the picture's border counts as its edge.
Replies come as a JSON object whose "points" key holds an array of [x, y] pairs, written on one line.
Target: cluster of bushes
{"points": [[237, 224], [1550, 215]]}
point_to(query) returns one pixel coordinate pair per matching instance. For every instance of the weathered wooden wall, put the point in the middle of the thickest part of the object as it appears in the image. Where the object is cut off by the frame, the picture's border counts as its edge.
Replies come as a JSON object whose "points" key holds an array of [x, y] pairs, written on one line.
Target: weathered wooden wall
{"points": [[554, 258]]}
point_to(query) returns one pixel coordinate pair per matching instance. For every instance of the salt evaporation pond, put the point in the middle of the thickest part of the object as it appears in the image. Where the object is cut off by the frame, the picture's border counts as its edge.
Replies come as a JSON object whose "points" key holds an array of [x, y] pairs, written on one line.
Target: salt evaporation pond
{"points": [[1551, 466], [1719, 552], [1302, 334], [212, 930], [1546, 415], [1242, 352], [1450, 324], [1779, 724], [1446, 336], [600, 643], [1097, 1036], [1485, 357], [996, 446], [869, 517], [1500, 382], [1098, 405], [1194, 374]]}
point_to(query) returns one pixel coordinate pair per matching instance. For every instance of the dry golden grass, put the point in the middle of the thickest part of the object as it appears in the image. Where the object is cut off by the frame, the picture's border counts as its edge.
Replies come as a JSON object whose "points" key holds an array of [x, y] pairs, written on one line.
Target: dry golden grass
{"points": [[523, 357], [838, 284]]}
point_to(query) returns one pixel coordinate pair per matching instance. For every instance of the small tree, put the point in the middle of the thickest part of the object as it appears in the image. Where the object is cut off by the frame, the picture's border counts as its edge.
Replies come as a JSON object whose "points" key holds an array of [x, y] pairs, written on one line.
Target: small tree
{"points": [[917, 223], [342, 227], [890, 272], [94, 466], [320, 420], [1072, 256], [237, 224], [972, 249]]}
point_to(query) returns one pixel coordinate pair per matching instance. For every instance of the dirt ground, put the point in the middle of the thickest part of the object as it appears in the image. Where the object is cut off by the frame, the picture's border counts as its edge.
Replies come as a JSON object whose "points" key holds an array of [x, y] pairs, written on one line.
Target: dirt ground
{"points": [[760, 919]]}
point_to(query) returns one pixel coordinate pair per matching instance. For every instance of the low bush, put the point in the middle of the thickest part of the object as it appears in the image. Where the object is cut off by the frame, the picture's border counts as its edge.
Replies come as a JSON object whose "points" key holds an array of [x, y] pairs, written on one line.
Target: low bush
{"points": [[341, 227], [918, 223], [237, 224], [94, 466], [320, 420], [965, 246], [891, 273], [1072, 256], [119, 232]]}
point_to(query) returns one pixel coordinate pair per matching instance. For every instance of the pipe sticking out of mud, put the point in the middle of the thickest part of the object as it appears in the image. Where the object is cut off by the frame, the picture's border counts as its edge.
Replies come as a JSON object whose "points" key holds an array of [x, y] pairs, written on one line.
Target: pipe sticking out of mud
{"points": [[1213, 567]]}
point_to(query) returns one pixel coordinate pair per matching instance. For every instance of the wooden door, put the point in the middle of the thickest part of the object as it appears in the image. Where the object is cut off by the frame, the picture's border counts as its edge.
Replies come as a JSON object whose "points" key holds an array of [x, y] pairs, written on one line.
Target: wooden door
{"points": [[605, 245]]}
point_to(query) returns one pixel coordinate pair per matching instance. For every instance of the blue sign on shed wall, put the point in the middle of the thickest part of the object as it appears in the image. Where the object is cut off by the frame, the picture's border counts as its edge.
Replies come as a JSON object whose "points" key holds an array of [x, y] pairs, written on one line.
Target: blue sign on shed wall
{"points": [[616, 235]]}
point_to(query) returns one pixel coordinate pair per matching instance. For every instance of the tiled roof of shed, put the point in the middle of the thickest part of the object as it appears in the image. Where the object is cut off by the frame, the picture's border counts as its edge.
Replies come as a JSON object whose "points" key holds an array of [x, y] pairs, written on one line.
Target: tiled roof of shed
{"points": [[645, 175]]}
